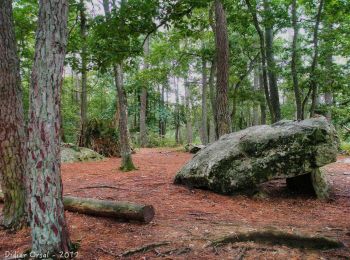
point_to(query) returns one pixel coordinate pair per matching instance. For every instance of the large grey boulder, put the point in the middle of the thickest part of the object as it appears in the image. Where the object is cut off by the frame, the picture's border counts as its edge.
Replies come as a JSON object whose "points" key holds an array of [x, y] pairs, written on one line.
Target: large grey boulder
{"points": [[72, 153], [238, 162]]}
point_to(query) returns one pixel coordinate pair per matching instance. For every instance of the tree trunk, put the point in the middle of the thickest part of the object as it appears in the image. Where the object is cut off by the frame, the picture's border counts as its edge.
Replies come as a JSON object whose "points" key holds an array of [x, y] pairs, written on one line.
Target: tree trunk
{"points": [[212, 95], [12, 129], [204, 121], [162, 119], [271, 64], [262, 103], [295, 61], [177, 112], [189, 132], [49, 230], [252, 10], [143, 109], [313, 81], [107, 208], [222, 50], [125, 149], [83, 104], [256, 88]]}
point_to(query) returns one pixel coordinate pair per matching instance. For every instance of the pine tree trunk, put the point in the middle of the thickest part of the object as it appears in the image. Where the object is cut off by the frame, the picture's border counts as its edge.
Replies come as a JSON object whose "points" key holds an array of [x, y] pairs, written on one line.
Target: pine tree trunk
{"points": [[189, 132], [83, 105], [262, 103], [204, 121], [125, 149], [143, 109], [295, 61], [12, 132], [271, 65], [222, 50], [49, 229]]}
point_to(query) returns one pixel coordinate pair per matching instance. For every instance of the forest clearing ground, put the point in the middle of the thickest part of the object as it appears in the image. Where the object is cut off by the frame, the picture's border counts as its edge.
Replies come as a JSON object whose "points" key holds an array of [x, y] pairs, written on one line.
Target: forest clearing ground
{"points": [[189, 219]]}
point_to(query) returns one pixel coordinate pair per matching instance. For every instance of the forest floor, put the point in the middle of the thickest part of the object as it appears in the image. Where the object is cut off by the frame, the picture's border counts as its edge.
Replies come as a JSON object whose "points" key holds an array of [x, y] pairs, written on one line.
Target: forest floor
{"points": [[190, 219]]}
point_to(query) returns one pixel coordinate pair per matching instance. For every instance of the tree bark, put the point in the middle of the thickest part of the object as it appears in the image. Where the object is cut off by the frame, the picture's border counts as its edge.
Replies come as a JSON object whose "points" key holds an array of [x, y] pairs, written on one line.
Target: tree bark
{"points": [[222, 51], [204, 121], [83, 55], [143, 109], [125, 149], [12, 128], [252, 10], [271, 64], [295, 61], [48, 224]]}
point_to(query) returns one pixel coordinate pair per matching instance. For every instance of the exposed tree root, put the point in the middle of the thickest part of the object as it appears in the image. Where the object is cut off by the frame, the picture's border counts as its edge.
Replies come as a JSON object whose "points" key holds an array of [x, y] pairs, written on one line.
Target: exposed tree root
{"points": [[273, 237], [144, 248], [175, 251]]}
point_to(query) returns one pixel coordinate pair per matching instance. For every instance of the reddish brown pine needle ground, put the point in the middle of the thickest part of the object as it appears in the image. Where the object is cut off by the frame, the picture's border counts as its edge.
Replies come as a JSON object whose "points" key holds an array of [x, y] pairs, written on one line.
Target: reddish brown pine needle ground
{"points": [[189, 219]]}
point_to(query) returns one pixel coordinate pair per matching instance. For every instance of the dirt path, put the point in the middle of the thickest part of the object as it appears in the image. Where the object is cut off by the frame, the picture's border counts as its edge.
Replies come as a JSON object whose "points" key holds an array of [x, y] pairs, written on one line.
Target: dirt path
{"points": [[189, 219]]}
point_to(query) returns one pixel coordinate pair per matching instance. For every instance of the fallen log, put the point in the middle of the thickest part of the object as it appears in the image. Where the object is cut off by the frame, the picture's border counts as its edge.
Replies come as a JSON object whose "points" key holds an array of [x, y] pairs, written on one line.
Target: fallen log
{"points": [[107, 208]]}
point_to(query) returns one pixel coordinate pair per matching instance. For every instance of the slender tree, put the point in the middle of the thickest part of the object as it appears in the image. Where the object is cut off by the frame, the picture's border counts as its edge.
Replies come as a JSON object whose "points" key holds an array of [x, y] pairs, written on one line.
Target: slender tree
{"points": [[252, 10], [313, 89], [49, 230], [125, 149], [83, 55], [295, 60], [12, 134], [271, 64], [189, 131], [204, 121], [143, 108]]}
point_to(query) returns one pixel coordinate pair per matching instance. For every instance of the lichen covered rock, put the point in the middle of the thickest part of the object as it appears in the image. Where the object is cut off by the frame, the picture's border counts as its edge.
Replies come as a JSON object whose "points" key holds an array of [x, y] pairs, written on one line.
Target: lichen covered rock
{"points": [[73, 153], [239, 161]]}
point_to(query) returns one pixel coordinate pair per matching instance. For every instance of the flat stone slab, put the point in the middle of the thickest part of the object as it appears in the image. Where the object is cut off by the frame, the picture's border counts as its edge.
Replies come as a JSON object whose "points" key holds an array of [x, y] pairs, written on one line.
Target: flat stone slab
{"points": [[239, 161]]}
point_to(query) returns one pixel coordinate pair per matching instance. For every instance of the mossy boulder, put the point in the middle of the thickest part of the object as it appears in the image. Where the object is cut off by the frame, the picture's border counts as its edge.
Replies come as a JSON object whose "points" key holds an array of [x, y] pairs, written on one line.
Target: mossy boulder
{"points": [[73, 153], [238, 162]]}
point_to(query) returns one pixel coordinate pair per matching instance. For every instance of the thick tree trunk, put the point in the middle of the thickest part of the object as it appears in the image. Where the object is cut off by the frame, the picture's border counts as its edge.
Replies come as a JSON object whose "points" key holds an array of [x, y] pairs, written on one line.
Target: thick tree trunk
{"points": [[125, 149], [143, 109], [83, 55], [12, 134], [49, 230], [189, 131], [107, 208], [271, 64], [222, 51], [252, 10], [204, 121], [295, 61]]}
